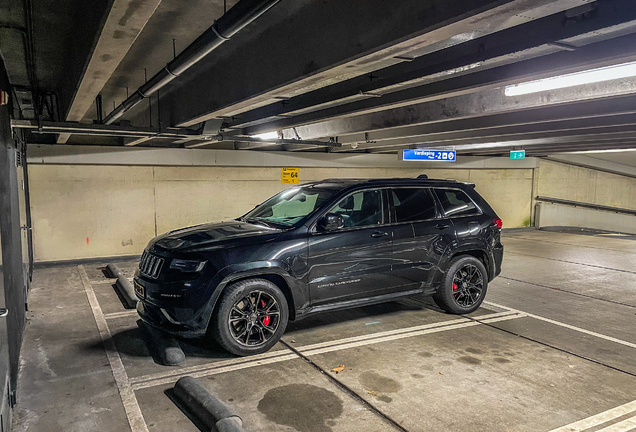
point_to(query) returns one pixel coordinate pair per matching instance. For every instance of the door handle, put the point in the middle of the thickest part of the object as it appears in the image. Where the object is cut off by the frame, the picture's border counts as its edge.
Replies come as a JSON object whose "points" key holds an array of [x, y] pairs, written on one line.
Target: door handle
{"points": [[441, 226], [379, 234], [4, 312]]}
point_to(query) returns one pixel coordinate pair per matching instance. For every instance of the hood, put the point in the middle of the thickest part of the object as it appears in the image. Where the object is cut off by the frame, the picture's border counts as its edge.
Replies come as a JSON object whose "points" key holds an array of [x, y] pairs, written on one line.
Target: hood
{"points": [[213, 235]]}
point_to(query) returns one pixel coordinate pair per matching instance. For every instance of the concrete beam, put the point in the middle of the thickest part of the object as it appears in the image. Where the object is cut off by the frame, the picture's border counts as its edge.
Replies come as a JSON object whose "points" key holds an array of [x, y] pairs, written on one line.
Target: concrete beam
{"points": [[600, 54], [271, 65], [526, 41], [125, 21], [477, 111], [93, 155], [511, 135]]}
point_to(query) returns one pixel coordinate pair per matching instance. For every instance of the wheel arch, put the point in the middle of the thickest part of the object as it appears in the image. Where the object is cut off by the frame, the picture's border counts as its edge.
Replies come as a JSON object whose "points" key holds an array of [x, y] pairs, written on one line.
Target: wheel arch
{"points": [[268, 274], [481, 255], [277, 280]]}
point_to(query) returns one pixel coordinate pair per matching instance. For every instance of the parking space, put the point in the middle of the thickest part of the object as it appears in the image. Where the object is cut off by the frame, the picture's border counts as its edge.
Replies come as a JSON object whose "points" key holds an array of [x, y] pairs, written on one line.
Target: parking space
{"points": [[552, 345]]}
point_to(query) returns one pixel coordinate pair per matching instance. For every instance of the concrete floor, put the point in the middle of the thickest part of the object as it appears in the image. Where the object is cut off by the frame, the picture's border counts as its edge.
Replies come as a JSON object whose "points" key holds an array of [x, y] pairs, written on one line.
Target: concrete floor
{"points": [[554, 344]]}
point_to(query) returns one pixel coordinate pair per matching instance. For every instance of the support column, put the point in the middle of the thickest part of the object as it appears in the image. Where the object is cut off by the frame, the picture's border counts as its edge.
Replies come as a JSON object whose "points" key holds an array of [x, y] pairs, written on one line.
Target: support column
{"points": [[14, 286]]}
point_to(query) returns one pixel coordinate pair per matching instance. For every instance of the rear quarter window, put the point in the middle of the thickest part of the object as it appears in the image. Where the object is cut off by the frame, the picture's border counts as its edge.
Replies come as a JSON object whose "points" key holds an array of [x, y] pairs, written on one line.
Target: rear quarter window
{"points": [[456, 203]]}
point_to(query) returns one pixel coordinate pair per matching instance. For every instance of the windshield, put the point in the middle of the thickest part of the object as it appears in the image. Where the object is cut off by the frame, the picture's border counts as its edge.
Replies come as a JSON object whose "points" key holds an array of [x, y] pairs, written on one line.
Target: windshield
{"points": [[290, 206]]}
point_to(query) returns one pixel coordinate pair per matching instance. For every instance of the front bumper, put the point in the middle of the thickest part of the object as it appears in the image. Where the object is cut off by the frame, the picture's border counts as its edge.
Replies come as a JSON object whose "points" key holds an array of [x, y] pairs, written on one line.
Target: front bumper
{"points": [[160, 318], [179, 308]]}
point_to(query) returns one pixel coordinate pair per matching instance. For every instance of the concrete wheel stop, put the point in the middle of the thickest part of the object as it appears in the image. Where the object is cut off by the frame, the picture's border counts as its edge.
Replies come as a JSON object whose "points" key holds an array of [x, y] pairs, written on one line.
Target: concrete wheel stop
{"points": [[124, 286], [113, 271], [205, 410], [162, 346]]}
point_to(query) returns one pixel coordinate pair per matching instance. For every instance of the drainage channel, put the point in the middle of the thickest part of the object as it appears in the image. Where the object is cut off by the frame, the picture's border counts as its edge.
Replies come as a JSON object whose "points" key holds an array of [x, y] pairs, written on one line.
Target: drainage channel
{"points": [[345, 388]]}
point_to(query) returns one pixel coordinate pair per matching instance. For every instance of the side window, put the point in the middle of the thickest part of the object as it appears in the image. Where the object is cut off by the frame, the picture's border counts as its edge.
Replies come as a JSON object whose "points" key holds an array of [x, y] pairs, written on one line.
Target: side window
{"points": [[360, 209], [413, 204], [456, 203]]}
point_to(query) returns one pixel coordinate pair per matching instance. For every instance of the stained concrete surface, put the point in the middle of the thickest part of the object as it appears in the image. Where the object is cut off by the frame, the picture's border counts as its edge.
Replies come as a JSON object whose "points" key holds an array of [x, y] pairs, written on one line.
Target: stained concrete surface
{"points": [[522, 373]]}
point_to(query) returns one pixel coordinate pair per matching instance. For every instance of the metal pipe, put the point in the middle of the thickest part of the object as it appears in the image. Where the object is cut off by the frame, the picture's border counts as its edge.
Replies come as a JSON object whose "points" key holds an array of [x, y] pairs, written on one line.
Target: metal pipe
{"points": [[238, 17]]}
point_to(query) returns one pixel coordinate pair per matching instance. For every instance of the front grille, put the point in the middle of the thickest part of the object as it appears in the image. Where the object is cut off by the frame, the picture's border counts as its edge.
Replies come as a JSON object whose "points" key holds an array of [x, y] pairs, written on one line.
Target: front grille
{"points": [[150, 265]]}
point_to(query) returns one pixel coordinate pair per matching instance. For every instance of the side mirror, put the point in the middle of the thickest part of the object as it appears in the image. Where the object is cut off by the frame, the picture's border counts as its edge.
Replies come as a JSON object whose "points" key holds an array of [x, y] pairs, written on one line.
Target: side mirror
{"points": [[332, 222]]}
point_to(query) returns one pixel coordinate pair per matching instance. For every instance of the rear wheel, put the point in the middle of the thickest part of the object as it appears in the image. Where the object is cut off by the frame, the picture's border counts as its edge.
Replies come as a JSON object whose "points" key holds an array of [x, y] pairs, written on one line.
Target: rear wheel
{"points": [[464, 286], [250, 317]]}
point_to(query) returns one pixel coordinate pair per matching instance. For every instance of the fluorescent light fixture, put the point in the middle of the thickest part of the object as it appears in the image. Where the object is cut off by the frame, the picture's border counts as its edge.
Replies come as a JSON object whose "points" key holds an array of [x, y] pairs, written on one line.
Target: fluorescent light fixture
{"points": [[591, 76], [266, 135]]}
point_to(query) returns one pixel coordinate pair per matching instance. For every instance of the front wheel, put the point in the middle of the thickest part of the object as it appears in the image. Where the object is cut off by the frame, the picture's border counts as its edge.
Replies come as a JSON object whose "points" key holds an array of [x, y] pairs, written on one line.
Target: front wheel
{"points": [[464, 286], [250, 317]]}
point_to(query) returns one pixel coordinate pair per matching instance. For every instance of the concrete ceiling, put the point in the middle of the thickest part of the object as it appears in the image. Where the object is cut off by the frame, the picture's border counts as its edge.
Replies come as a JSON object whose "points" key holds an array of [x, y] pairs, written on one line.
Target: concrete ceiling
{"points": [[413, 74]]}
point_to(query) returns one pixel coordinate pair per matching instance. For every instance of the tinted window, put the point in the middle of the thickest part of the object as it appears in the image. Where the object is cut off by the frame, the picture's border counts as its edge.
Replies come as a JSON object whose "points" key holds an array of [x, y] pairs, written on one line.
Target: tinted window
{"points": [[413, 204], [290, 206], [360, 209], [456, 203]]}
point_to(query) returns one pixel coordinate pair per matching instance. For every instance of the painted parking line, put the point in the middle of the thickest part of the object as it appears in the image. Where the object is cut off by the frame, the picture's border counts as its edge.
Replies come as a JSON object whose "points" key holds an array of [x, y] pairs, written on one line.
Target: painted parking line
{"points": [[568, 326], [623, 426], [138, 382], [314, 349], [604, 417], [128, 398], [126, 313]]}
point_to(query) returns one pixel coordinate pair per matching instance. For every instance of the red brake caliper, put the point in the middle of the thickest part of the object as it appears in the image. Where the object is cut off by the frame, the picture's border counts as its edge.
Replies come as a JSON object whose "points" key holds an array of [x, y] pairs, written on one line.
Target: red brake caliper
{"points": [[266, 318], [454, 286]]}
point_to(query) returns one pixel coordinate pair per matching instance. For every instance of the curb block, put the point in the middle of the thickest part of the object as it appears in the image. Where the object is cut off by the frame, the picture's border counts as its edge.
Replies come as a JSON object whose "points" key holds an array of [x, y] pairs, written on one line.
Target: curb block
{"points": [[213, 413], [127, 291], [162, 344], [113, 271]]}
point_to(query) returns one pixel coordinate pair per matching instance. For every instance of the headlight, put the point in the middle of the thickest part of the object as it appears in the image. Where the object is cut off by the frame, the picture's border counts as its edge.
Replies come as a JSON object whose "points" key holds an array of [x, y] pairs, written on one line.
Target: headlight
{"points": [[187, 266]]}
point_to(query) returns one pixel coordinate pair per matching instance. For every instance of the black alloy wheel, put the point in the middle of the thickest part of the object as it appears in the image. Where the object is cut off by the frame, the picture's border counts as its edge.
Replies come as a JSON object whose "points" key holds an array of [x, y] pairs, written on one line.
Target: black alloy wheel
{"points": [[250, 317], [464, 286], [254, 319], [468, 284]]}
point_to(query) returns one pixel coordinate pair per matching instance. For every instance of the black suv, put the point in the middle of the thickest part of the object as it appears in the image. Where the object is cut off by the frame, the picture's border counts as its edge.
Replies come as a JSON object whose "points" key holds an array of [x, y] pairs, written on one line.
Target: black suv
{"points": [[322, 246]]}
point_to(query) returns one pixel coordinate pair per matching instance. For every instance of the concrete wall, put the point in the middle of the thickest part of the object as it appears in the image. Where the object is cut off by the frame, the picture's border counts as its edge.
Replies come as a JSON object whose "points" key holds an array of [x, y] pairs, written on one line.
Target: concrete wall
{"points": [[84, 211], [575, 183], [549, 215]]}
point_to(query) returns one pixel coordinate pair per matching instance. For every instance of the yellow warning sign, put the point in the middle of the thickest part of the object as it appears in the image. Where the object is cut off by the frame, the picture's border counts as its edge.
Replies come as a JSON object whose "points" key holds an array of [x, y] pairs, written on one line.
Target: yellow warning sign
{"points": [[290, 175]]}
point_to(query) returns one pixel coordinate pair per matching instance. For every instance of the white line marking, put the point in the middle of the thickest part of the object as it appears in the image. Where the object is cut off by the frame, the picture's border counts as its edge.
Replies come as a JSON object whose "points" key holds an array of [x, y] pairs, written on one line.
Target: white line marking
{"points": [[598, 419], [208, 366], [107, 280], [314, 349], [126, 313], [503, 318], [623, 426], [387, 338], [128, 398], [216, 370], [571, 327]]}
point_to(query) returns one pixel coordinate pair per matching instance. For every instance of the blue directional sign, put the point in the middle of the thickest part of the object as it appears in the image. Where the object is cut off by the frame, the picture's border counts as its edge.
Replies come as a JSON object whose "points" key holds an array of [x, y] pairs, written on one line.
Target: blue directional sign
{"points": [[429, 155]]}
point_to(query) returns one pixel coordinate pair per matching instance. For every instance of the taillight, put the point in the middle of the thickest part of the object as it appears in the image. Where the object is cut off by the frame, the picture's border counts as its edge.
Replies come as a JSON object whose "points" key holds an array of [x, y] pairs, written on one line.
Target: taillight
{"points": [[498, 222]]}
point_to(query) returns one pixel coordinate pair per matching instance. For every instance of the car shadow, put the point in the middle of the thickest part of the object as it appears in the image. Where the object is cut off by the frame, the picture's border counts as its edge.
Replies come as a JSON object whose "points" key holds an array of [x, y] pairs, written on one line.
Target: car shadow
{"points": [[135, 342], [372, 311]]}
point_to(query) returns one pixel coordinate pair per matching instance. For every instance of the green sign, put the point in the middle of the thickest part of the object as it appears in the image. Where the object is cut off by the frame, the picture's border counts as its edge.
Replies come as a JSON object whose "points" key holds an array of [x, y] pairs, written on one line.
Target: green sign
{"points": [[517, 154]]}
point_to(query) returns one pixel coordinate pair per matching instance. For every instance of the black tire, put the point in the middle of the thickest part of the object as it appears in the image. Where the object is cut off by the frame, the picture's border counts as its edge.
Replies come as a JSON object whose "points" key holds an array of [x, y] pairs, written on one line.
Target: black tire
{"points": [[240, 329], [464, 286]]}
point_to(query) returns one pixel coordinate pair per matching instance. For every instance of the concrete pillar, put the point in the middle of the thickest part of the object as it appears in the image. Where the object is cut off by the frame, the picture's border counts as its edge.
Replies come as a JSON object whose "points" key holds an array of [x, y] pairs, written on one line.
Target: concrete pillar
{"points": [[14, 286]]}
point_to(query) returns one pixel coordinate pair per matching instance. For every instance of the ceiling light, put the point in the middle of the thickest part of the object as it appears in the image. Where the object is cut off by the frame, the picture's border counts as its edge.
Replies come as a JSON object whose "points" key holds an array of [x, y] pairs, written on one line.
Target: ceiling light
{"points": [[266, 135], [591, 76]]}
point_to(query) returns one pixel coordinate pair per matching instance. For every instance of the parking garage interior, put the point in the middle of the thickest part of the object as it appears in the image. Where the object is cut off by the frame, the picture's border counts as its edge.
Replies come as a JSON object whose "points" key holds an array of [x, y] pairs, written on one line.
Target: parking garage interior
{"points": [[123, 120]]}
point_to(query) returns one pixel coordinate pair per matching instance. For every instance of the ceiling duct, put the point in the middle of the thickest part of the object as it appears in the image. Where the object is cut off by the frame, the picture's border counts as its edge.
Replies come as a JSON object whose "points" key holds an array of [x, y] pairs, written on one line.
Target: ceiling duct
{"points": [[238, 17]]}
